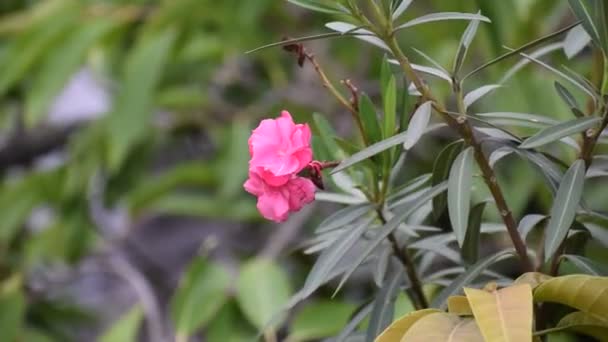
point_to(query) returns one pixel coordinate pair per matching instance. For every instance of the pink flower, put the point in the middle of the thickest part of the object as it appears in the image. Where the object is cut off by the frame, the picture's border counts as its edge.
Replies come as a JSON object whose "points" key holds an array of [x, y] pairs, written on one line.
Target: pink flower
{"points": [[276, 202], [279, 149]]}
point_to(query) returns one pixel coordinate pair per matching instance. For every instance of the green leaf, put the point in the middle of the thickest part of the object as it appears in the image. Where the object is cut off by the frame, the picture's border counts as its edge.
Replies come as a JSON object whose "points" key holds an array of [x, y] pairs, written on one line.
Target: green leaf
{"points": [[31, 46], [263, 291], [397, 330], [470, 246], [593, 17], [586, 265], [130, 118], [479, 93], [384, 306], [566, 96], [441, 171], [527, 223], [573, 81], [465, 43], [404, 211], [564, 207], [343, 217], [234, 166], [524, 47], [441, 17], [443, 327], [357, 32], [319, 319], [371, 151], [467, 277], [418, 124], [357, 319], [583, 292], [13, 307], [503, 315], [369, 119], [126, 327], [399, 10], [459, 193], [62, 62], [390, 107], [327, 134], [584, 324], [318, 6], [559, 131], [200, 295], [330, 257]]}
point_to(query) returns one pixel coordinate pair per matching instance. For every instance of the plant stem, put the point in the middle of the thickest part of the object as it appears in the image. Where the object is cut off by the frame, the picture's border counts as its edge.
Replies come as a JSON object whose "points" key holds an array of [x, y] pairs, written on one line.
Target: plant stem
{"points": [[420, 301], [332, 89], [464, 129]]}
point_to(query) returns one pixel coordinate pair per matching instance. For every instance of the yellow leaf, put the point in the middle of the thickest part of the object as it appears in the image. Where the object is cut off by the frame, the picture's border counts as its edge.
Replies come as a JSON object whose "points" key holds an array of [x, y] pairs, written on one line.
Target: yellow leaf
{"points": [[583, 292], [532, 278], [459, 305], [443, 327], [395, 331], [505, 315]]}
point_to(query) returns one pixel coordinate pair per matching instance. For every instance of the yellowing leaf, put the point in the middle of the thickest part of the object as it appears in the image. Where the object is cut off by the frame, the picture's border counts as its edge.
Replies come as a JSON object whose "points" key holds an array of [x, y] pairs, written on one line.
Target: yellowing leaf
{"points": [[504, 315], [585, 293], [459, 305], [443, 327], [534, 279], [395, 331]]}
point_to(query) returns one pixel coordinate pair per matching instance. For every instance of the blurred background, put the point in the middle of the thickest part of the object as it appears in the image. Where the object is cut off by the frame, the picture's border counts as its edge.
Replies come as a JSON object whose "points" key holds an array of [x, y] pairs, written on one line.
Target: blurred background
{"points": [[123, 150]]}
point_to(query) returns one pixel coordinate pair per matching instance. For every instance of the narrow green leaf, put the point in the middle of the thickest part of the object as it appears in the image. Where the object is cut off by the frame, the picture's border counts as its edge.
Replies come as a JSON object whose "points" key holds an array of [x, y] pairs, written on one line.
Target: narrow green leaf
{"points": [[441, 17], [441, 171], [263, 290], [467, 277], [359, 33], [564, 207], [432, 61], [371, 151], [470, 246], [384, 306], [465, 43], [404, 212], [566, 96], [354, 322], [343, 217], [573, 81], [327, 134], [125, 328], [584, 324], [369, 119], [524, 47], [401, 8], [527, 223], [540, 52], [476, 94], [418, 124], [317, 6], [586, 265], [591, 13], [390, 107], [61, 63], [330, 257], [130, 118], [459, 193], [559, 131], [13, 307]]}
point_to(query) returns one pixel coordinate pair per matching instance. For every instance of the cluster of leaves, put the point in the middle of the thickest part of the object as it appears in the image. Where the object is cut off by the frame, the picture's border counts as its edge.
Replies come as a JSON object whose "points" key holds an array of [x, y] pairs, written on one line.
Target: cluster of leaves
{"points": [[408, 231]]}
